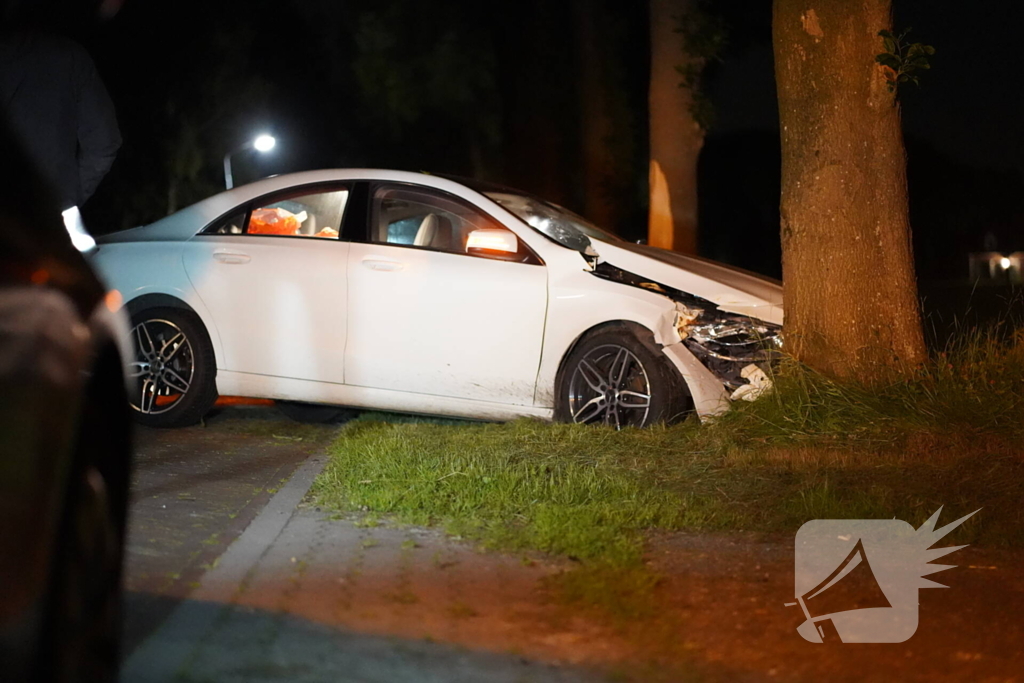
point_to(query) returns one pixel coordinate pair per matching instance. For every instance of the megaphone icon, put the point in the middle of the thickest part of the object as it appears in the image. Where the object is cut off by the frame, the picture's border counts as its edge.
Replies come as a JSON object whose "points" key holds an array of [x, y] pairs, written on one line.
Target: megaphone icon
{"points": [[850, 586]]}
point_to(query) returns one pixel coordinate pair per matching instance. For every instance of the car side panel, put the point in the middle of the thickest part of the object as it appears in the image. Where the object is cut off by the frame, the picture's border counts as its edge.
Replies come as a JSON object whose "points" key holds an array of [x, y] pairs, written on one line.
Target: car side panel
{"points": [[138, 268], [242, 384], [279, 302], [444, 324]]}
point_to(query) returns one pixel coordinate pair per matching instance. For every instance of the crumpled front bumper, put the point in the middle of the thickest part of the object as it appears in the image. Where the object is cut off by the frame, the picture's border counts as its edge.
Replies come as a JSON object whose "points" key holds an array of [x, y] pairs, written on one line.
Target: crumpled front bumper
{"points": [[722, 356]]}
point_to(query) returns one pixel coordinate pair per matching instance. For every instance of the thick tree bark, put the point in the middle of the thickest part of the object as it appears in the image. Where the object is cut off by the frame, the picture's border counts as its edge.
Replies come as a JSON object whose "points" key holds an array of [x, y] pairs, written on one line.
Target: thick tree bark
{"points": [[847, 262], [676, 139]]}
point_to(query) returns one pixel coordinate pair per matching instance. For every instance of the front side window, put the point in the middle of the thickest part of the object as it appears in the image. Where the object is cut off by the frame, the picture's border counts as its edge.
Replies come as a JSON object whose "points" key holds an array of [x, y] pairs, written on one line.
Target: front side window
{"points": [[298, 213], [416, 217]]}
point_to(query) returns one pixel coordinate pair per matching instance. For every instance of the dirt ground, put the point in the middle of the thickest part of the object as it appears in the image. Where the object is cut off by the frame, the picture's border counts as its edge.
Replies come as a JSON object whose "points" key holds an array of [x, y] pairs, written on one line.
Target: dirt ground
{"points": [[728, 594], [720, 616], [718, 613]]}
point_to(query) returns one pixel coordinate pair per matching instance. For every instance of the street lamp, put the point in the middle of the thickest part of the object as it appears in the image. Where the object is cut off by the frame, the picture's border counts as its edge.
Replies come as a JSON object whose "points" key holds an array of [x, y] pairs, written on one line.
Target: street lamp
{"points": [[262, 143]]}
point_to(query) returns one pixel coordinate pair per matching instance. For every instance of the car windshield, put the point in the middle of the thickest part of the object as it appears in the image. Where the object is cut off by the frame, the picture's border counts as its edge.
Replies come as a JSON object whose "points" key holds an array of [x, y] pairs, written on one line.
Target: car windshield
{"points": [[560, 225]]}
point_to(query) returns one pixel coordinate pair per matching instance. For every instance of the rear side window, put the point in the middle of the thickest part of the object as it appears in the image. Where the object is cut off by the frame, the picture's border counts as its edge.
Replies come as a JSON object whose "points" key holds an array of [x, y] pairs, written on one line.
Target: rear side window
{"points": [[297, 213], [232, 225]]}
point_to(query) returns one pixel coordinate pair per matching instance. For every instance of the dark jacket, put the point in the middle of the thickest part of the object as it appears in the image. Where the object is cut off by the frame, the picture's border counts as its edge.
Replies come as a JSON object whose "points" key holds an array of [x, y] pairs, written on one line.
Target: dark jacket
{"points": [[56, 105]]}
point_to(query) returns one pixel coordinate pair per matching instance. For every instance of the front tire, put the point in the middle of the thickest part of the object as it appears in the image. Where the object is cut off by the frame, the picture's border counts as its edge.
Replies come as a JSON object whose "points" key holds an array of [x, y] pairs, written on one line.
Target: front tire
{"points": [[174, 371], [615, 378]]}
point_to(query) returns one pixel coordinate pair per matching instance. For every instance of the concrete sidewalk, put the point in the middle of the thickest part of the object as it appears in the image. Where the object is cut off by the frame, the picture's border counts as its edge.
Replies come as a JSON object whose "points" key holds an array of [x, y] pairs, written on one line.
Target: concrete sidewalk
{"points": [[194, 491]]}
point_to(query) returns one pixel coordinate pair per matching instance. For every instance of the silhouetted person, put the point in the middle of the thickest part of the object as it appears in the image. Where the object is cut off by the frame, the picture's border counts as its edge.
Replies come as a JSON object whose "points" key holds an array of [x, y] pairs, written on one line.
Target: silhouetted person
{"points": [[57, 107]]}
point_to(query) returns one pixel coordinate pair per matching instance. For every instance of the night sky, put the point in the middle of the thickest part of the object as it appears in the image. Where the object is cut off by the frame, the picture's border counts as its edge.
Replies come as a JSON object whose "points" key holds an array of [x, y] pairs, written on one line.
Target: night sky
{"points": [[970, 104], [962, 128], [493, 90]]}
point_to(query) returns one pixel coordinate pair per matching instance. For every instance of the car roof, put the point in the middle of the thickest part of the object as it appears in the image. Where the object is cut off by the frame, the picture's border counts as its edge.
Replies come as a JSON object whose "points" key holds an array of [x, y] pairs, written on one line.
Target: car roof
{"points": [[185, 223]]}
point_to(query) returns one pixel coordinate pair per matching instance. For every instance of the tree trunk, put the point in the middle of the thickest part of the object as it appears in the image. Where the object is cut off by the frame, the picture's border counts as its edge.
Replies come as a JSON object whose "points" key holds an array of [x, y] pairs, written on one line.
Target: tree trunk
{"points": [[676, 139], [847, 262]]}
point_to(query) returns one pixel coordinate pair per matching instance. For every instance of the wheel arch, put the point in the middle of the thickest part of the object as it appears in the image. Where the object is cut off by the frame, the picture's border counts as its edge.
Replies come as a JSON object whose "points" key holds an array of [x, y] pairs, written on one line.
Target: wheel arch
{"points": [[706, 391], [153, 300], [158, 300], [646, 337], [641, 332]]}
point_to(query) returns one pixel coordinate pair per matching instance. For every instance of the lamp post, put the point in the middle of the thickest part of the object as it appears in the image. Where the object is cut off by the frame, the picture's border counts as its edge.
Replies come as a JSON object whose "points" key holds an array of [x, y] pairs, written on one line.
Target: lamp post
{"points": [[262, 143]]}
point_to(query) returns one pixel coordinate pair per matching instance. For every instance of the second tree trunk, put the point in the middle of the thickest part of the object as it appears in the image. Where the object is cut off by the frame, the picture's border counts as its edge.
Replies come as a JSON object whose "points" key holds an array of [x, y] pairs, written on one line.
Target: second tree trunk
{"points": [[847, 262]]}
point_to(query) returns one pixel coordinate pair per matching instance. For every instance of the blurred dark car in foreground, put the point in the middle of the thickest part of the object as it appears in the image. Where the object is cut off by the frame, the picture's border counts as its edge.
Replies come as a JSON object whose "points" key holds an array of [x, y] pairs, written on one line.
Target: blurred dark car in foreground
{"points": [[64, 445]]}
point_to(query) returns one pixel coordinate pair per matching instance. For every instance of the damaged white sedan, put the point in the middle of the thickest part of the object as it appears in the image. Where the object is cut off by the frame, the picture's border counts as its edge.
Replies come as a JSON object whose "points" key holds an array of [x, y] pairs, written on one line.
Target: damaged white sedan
{"points": [[416, 293]]}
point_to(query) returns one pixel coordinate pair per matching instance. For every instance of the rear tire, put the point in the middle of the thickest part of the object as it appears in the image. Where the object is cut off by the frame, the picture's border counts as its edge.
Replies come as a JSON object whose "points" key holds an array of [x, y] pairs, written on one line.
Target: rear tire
{"points": [[174, 372], [617, 376]]}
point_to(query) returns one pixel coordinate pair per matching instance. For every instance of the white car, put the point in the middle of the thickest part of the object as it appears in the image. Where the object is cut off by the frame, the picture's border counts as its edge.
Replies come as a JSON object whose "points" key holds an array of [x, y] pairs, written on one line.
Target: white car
{"points": [[416, 293]]}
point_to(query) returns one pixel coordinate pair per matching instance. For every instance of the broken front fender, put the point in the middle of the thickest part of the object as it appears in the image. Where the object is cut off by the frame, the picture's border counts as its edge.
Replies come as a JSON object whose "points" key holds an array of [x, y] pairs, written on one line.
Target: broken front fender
{"points": [[735, 350], [709, 395]]}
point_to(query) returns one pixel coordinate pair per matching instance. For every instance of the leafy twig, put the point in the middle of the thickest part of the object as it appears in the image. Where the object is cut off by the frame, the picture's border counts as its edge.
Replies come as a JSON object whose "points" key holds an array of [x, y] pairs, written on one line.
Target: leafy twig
{"points": [[901, 59]]}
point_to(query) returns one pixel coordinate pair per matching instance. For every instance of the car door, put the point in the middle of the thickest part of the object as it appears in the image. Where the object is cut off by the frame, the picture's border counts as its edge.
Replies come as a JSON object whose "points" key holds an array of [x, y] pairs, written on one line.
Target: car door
{"points": [[426, 316], [273, 276]]}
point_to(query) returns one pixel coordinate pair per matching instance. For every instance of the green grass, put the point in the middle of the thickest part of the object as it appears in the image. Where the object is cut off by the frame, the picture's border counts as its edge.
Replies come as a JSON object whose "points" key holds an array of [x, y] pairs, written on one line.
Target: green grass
{"points": [[590, 493], [813, 448], [973, 387], [524, 485]]}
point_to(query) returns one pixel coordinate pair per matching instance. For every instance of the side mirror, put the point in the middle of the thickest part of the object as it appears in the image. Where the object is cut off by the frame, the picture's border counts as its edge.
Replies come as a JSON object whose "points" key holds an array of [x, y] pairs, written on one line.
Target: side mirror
{"points": [[493, 242]]}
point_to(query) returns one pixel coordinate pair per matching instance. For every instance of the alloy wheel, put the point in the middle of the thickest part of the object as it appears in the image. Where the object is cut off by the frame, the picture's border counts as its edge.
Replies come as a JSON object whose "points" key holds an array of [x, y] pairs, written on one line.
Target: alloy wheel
{"points": [[164, 366], [610, 386]]}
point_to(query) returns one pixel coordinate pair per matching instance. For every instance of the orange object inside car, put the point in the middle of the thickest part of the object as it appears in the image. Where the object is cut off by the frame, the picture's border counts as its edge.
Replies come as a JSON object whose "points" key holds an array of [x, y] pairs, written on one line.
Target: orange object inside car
{"points": [[273, 222]]}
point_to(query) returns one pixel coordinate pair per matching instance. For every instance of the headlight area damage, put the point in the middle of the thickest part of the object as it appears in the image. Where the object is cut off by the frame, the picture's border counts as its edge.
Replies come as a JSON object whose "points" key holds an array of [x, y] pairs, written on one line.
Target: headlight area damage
{"points": [[737, 349]]}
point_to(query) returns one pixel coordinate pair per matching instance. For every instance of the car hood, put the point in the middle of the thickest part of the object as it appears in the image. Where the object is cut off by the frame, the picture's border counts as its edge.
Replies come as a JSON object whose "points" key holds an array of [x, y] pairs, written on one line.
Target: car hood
{"points": [[733, 290]]}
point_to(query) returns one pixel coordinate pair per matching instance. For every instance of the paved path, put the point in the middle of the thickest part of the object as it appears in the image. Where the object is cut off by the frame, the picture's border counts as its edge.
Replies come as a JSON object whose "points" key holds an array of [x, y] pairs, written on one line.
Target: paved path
{"points": [[194, 491], [301, 595]]}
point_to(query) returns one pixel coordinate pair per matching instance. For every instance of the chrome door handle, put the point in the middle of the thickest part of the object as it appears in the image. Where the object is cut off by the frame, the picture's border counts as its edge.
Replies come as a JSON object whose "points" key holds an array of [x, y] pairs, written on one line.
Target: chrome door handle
{"points": [[231, 257], [382, 264]]}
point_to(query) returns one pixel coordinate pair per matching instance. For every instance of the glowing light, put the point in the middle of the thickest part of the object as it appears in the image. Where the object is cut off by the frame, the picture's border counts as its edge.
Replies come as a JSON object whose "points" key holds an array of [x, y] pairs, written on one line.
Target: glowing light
{"points": [[113, 300], [264, 143], [493, 240], [1004, 263]]}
